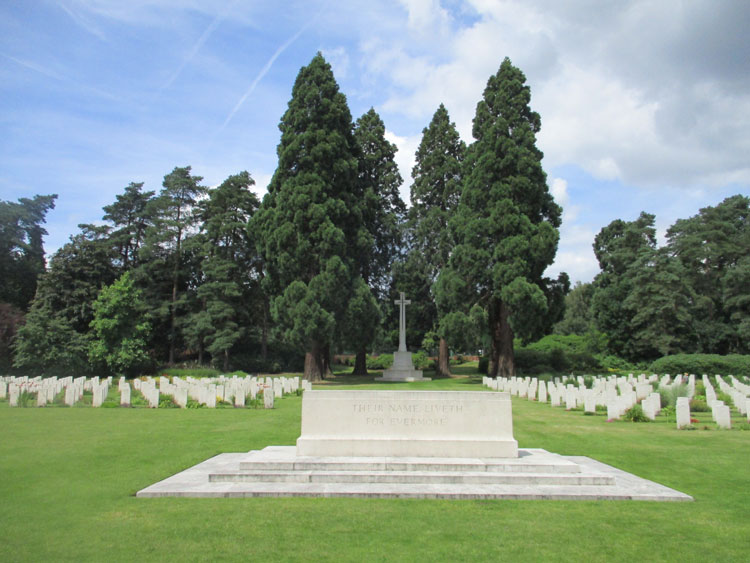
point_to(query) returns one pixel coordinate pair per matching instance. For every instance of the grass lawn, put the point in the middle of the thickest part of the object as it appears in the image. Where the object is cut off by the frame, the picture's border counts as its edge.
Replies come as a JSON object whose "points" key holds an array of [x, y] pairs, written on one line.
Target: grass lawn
{"points": [[68, 476]]}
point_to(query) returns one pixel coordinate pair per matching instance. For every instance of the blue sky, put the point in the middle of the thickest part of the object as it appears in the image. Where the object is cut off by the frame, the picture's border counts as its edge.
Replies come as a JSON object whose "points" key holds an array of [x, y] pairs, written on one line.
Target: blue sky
{"points": [[644, 105]]}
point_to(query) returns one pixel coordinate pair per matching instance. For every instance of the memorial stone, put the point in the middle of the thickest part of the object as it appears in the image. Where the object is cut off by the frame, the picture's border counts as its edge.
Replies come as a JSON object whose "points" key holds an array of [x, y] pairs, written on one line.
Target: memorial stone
{"points": [[683, 412], [268, 396], [407, 423], [125, 394]]}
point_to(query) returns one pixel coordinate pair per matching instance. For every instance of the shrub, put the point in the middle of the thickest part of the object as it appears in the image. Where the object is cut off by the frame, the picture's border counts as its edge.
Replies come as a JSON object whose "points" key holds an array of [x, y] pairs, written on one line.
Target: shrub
{"points": [[383, 361], [670, 413], [703, 363], [421, 360], [635, 414], [698, 405], [670, 394], [721, 396], [166, 402], [26, 399]]}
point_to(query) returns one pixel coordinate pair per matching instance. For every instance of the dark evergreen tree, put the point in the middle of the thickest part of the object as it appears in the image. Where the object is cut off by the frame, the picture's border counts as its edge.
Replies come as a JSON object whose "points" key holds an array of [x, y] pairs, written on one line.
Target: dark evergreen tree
{"points": [[229, 292], [382, 212], [311, 219], [577, 318], [21, 247], [55, 335], [618, 247], [167, 267], [506, 223], [710, 246], [435, 194], [131, 215], [660, 306]]}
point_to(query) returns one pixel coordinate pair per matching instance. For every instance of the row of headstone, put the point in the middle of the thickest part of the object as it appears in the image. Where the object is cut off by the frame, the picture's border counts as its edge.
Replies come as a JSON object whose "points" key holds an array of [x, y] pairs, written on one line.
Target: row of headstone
{"points": [[618, 394], [207, 391]]}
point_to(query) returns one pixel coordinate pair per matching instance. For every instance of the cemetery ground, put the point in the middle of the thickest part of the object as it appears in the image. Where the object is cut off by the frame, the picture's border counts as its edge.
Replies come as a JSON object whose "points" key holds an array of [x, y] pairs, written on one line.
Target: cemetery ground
{"points": [[68, 477]]}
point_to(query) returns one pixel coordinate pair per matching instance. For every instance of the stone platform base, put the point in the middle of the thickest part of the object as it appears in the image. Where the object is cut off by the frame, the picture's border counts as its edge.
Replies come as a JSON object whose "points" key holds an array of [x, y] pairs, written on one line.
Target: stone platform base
{"points": [[402, 369], [277, 471]]}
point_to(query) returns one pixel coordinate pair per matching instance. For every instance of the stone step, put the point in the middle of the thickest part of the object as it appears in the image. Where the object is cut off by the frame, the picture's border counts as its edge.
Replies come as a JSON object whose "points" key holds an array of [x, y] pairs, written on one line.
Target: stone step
{"points": [[412, 477], [207, 480], [516, 465]]}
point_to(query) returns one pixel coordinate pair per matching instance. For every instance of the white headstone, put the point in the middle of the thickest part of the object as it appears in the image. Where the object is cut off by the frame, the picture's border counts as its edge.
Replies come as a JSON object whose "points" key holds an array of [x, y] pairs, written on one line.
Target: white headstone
{"points": [[268, 396], [683, 412], [124, 393]]}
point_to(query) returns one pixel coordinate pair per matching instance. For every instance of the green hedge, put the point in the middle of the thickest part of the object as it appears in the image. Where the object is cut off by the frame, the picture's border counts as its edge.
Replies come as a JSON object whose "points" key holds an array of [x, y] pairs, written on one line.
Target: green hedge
{"points": [[710, 364]]}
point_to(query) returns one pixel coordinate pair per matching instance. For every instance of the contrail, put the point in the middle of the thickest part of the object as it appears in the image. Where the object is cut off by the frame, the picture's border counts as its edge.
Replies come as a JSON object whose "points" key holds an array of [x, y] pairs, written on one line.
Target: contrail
{"points": [[220, 17], [261, 74], [83, 22]]}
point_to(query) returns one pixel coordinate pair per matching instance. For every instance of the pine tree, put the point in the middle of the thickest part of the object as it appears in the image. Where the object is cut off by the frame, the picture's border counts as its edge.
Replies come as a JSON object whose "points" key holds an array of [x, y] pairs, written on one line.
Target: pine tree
{"points": [[229, 292], [311, 218], [21, 250], [618, 247], [131, 215], [506, 223], [710, 246], [435, 194], [165, 269]]}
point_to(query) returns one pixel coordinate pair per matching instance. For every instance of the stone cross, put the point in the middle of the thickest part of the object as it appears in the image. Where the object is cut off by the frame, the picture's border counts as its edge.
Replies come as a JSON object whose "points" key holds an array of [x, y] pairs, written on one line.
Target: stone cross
{"points": [[402, 303]]}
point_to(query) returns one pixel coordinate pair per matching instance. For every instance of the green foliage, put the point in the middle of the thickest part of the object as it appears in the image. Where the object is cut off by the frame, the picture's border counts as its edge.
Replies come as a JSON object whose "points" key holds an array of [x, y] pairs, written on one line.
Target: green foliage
{"points": [[26, 399], [577, 318], [131, 215], [635, 414], [49, 342], [670, 394], [119, 331], [421, 360], [229, 297], [382, 209], [712, 248], [702, 363], [21, 251], [383, 361], [311, 218], [699, 405], [505, 226]]}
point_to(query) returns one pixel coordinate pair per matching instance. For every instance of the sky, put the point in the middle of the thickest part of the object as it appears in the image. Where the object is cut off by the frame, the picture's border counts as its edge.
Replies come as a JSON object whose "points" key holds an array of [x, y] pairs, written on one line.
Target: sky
{"points": [[645, 105]]}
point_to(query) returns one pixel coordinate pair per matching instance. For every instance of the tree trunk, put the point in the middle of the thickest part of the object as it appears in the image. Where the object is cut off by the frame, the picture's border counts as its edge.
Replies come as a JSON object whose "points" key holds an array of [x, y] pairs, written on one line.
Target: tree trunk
{"points": [[444, 366], [314, 368], [200, 353], [502, 362], [326, 354], [226, 360], [360, 363]]}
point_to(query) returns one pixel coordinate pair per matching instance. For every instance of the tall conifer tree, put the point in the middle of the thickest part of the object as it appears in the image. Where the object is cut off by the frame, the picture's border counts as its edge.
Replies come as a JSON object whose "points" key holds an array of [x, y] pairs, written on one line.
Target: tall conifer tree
{"points": [[506, 223], [311, 217], [435, 194], [382, 213], [163, 256]]}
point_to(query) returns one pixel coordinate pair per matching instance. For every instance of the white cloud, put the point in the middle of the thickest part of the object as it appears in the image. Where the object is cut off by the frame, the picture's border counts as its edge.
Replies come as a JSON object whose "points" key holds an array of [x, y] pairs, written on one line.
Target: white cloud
{"points": [[407, 148]]}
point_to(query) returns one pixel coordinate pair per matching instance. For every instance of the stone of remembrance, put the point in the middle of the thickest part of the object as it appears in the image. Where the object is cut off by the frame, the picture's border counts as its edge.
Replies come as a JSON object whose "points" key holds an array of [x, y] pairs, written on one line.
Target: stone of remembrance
{"points": [[407, 423]]}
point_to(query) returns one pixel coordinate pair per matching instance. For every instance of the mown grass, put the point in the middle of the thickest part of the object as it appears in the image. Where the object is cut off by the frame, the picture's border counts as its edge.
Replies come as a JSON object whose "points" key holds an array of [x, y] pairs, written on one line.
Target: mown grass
{"points": [[68, 476]]}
